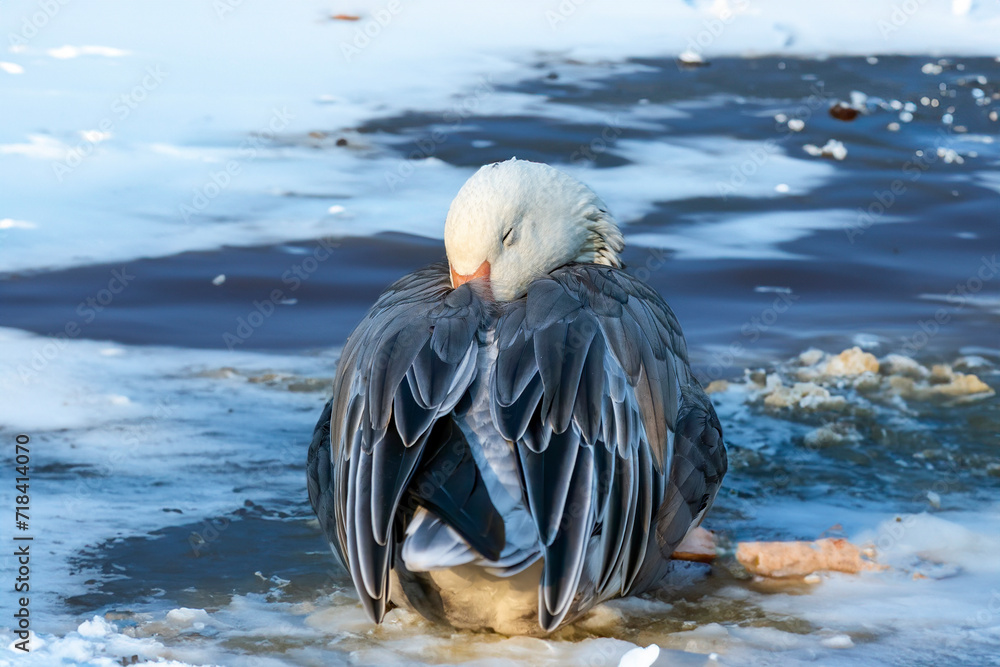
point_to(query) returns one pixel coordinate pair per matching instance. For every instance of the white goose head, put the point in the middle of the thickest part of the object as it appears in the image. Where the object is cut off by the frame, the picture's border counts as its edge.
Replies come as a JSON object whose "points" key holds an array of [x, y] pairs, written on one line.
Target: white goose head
{"points": [[516, 221]]}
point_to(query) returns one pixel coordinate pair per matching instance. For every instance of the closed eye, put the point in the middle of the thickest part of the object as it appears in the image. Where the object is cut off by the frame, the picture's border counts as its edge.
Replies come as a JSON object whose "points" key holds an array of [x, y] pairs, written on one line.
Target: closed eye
{"points": [[508, 238]]}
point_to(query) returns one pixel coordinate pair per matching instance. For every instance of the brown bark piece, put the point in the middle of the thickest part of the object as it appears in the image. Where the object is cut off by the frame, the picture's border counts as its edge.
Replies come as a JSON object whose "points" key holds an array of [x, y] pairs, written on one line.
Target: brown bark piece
{"points": [[798, 559]]}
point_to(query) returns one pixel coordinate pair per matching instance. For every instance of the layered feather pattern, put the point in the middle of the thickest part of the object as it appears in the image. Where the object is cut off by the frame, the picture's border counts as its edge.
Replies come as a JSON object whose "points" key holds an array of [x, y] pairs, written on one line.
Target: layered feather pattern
{"points": [[589, 397]]}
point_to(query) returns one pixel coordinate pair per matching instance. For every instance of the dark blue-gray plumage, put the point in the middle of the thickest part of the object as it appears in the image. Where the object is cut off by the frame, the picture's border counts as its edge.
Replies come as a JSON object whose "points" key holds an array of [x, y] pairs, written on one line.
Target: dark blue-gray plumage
{"points": [[556, 438]]}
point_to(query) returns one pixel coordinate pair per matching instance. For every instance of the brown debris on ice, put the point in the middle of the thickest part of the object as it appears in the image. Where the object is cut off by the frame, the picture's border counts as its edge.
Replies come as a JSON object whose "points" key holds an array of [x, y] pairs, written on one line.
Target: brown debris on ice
{"points": [[958, 384], [800, 559], [816, 381], [851, 362], [716, 386], [897, 364], [815, 365], [940, 382], [831, 435], [805, 395], [698, 546], [778, 560]]}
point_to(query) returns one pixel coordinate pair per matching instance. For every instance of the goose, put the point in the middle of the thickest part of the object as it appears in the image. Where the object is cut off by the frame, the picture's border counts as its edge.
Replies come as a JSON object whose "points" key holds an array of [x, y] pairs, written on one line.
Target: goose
{"points": [[515, 433]]}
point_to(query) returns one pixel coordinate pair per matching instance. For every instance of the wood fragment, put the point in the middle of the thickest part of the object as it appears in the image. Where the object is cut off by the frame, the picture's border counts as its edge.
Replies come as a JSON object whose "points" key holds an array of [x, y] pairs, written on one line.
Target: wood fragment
{"points": [[799, 559], [698, 546]]}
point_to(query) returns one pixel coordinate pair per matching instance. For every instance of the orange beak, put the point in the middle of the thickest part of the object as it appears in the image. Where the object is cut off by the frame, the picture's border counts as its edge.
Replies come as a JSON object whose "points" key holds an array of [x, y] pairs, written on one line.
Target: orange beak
{"points": [[457, 279]]}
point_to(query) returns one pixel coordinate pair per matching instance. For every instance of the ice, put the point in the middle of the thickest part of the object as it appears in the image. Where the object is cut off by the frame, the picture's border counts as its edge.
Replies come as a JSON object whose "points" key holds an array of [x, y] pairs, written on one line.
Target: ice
{"points": [[66, 52], [94, 643], [148, 418], [138, 432], [837, 641], [690, 58], [897, 364], [804, 395], [640, 657], [751, 236], [832, 382], [833, 149], [174, 456], [234, 75], [8, 223], [185, 617], [851, 362]]}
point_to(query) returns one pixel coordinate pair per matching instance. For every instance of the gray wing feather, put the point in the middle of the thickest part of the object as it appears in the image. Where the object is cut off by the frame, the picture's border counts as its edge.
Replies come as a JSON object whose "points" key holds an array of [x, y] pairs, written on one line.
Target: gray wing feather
{"points": [[698, 467], [564, 557], [590, 382], [548, 477], [587, 383], [407, 364]]}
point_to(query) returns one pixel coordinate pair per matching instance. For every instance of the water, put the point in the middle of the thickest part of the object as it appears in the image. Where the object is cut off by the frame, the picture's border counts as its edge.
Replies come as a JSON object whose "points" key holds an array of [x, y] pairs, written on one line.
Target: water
{"points": [[169, 422]]}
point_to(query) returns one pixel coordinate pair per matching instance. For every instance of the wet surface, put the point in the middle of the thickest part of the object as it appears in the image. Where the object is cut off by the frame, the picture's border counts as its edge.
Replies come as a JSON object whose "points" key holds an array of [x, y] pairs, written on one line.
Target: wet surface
{"points": [[864, 273], [203, 564], [755, 274]]}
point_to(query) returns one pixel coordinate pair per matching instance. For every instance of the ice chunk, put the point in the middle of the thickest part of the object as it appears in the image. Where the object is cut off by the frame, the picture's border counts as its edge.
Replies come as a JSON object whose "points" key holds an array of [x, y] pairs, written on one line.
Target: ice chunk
{"points": [[851, 362], [831, 149], [640, 657]]}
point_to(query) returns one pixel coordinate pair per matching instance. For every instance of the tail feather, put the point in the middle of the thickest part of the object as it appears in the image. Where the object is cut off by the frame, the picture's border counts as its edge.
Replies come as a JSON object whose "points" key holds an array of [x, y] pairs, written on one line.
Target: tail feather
{"points": [[431, 544], [698, 466], [449, 485]]}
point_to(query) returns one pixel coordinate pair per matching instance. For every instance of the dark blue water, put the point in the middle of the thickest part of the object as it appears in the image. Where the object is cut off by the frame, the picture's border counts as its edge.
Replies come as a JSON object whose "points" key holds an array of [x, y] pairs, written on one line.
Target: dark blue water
{"points": [[896, 250], [906, 226]]}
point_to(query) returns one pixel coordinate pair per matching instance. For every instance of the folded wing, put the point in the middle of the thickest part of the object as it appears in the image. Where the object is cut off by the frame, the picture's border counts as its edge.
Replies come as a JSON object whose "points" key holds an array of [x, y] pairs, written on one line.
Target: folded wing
{"points": [[588, 386], [405, 367]]}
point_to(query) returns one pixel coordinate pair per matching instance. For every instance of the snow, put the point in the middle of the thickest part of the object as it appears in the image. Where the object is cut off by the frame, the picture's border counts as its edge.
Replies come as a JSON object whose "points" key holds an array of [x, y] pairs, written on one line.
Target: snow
{"points": [[158, 429], [640, 657], [181, 125], [833, 149], [168, 84]]}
